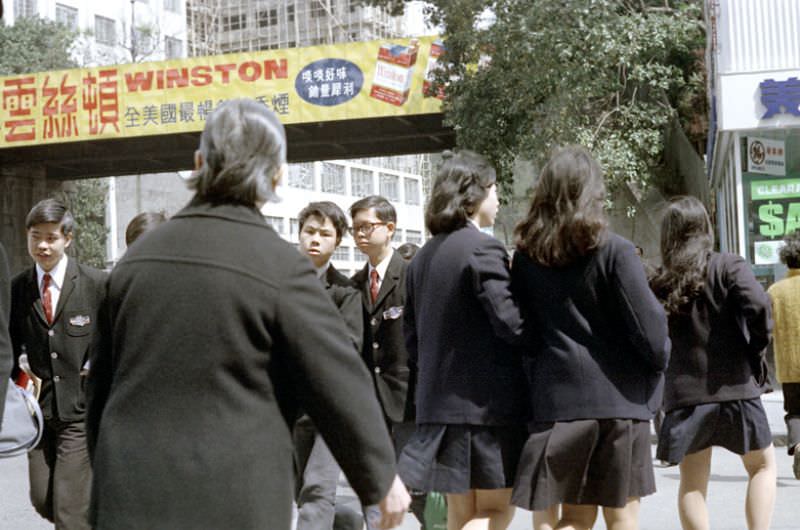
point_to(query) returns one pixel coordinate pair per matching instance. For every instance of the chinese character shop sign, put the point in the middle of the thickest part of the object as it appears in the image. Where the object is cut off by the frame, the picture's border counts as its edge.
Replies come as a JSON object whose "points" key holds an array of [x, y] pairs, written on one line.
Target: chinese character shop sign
{"points": [[780, 97], [301, 85]]}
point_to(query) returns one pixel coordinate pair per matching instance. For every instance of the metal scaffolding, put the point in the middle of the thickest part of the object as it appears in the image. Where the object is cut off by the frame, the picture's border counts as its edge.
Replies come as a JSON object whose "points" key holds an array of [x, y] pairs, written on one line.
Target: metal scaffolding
{"points": [[227, 26]]}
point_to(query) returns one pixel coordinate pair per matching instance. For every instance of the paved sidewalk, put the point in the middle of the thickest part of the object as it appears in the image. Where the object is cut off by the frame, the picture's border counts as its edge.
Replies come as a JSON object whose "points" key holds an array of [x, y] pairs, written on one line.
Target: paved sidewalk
{"points": [[726, 491]]}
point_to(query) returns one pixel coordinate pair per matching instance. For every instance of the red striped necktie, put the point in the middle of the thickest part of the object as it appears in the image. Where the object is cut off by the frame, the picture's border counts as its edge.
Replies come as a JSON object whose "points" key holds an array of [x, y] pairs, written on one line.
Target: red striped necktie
{"points": [[47, 299]]}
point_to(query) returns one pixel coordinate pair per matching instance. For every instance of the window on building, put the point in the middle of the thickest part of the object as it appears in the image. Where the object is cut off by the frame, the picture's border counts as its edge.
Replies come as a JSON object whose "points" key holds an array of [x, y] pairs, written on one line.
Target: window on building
{"points": [[105, 30], [412, 190], [144, 40], [341, 254], [302, 176], [333, 180], [25, 8], [361, 182], [276, 223], [414, 236], [173, 48], [172, 5], [234, 22], [399, 232], [390, 186], [268, 17], [317, 9], [294, 228], [290, 13], [67, 16]]}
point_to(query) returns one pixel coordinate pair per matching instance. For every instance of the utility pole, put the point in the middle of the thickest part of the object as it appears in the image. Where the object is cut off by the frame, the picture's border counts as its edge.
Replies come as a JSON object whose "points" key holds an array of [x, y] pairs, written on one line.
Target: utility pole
{"points": [[133, 33]]}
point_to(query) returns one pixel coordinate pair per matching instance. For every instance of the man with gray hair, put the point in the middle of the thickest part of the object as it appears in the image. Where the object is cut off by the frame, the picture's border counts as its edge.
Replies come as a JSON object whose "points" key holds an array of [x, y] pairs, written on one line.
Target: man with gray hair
{"points": [[213, 333]]}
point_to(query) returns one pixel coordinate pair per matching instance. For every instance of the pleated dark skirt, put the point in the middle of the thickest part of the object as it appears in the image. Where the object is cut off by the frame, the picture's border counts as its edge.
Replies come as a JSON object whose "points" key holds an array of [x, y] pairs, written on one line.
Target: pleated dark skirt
{"points": [[458, 458], [594, 462], [738, 426]]}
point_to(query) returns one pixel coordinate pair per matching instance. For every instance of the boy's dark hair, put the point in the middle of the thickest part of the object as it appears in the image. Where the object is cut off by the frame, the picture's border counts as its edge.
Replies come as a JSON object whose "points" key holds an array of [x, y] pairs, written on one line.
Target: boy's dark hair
{"points": [[321, 210], [144, 222], [51, 211], [790, 253], [383, 208], [407, 251]]}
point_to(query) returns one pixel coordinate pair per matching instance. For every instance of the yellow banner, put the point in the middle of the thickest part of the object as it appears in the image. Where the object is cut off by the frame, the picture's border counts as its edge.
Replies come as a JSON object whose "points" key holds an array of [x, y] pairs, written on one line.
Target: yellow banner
{"points": [[302, 85]]}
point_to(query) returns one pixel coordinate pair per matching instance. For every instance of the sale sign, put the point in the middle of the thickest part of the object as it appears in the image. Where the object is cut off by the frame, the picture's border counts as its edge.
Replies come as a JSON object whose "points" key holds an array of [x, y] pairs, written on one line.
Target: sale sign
{"points": [[774, 213]]}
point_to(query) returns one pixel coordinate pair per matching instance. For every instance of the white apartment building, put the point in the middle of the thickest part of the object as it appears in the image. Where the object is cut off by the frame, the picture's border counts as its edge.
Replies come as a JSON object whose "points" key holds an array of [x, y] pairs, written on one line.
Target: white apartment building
{"points": [[226, 26], [344, 182], [114, 31]]}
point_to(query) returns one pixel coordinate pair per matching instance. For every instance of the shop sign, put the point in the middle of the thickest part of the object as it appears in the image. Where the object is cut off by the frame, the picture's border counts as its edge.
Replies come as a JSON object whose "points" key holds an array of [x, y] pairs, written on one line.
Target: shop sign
{"points": [[775, 205], [780, 97], [766, 156]]}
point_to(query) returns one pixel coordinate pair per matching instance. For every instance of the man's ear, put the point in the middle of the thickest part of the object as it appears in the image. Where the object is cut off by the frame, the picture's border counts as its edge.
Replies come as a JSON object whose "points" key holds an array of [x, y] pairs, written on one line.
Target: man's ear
{"points": [[198, 160], [390, 227], [68, 238]]}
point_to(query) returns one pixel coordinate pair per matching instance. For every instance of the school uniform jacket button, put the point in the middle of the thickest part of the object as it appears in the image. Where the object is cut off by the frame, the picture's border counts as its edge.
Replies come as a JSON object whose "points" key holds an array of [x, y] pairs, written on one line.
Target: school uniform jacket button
{"points": [[375, 345], [54, 355], [374, 322], [51, 332], [377, 369], [56, 379]]}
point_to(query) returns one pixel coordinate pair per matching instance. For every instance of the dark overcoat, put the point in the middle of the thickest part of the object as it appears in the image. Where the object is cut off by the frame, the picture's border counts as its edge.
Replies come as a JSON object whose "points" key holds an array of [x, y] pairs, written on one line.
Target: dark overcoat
{"points": [[598, 343], [384, 348], [347, 298], [460, 321], [6, 353], [719, 337], [58, 352], [215, 330]]}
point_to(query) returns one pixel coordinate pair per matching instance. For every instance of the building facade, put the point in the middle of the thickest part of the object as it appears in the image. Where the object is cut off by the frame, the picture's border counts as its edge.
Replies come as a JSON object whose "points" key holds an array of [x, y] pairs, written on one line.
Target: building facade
{"points": [[226, 26], [754, 162], [115, 31], [344, 182]]}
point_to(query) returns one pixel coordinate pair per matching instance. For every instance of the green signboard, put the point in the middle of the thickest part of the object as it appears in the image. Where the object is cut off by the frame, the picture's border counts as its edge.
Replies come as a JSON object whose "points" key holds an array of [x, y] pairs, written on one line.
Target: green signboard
{"points": [[774, 212], [761, 190]]}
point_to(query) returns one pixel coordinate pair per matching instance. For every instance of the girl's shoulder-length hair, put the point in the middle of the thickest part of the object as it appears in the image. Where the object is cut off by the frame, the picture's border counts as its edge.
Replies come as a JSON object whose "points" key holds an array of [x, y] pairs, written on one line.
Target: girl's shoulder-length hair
{"points": [[461, 185], [566, 219]]}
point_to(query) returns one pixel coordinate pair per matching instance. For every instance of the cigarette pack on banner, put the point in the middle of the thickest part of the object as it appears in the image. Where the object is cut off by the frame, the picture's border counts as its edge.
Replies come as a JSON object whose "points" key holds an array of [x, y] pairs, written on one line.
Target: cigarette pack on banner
{"points": [[437, 49], [393, 72]]}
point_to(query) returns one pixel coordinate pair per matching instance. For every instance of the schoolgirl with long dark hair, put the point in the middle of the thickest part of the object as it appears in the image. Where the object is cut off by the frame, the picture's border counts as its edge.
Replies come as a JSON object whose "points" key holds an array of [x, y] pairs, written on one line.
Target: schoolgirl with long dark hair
{"points": [[595, 356], [719, 323]]}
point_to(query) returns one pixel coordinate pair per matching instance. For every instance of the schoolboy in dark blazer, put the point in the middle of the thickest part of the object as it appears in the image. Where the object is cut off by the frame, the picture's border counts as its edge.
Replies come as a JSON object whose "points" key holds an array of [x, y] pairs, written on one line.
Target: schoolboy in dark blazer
{"points": [[383, 294], [53, 313], [322, 225]]}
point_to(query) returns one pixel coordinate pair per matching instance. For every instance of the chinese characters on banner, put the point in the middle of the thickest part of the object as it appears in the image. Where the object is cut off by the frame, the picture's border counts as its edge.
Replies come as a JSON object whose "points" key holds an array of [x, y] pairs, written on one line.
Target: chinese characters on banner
{"points": [[301, 85]]}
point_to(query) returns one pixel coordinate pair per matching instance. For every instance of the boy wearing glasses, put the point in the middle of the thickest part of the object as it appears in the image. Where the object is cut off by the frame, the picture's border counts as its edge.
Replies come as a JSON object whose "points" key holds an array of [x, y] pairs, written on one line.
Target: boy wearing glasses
{"points": [[382, 282], [322, 225]]}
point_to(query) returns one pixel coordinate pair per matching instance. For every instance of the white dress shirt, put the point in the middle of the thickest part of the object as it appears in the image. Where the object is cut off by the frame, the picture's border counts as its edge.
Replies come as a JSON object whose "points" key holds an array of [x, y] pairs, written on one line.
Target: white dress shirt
{"points": [[57, 276], [381, 268]]}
